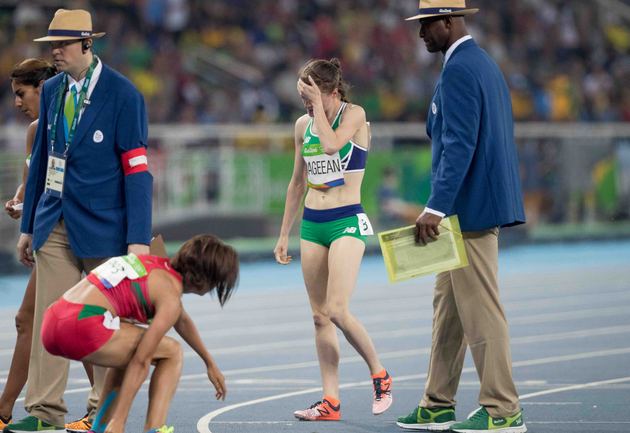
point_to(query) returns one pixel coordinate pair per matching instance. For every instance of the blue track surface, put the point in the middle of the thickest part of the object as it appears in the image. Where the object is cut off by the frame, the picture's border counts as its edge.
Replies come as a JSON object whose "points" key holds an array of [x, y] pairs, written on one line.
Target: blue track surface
{"points": [[568, 308]]}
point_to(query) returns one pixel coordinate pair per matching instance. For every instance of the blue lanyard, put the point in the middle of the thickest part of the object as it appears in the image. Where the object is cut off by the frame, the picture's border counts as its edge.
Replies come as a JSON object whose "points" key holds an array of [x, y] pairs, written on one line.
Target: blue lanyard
{"points": [[77, 111]]}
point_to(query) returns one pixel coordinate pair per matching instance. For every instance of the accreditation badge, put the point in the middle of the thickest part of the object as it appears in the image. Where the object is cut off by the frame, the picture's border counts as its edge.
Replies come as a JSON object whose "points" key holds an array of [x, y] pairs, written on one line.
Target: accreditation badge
{"points": [[55, 174]]}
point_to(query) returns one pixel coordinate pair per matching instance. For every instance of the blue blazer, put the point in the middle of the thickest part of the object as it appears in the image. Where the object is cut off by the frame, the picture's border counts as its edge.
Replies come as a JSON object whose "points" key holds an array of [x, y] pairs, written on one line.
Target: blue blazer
{"points": [[103, 209], [475, 172]]}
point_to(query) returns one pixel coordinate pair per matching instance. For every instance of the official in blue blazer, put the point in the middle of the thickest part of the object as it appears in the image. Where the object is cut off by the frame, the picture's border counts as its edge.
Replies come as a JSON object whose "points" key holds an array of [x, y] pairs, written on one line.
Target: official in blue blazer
{"points": [[474, 176], [88, 194]]}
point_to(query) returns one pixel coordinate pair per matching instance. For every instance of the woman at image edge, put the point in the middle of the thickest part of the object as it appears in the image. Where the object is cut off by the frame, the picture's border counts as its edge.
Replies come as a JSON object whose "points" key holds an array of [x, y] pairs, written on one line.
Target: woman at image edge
{"points": [[331, 145]]}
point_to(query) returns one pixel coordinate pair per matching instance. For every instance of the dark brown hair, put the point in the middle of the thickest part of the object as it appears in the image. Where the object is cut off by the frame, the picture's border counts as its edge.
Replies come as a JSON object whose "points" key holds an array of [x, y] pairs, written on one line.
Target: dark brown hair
{"points": [[327, 75], [31, 71], [205, 261]]}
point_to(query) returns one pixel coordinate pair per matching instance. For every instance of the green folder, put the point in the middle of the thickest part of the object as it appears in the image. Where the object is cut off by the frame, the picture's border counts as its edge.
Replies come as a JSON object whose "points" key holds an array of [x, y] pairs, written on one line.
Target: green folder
{"points": [[404, 259]]}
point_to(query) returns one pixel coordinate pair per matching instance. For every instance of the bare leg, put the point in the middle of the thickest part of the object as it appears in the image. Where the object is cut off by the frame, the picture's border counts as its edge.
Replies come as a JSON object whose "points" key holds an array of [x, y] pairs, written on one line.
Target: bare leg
{"points": [[18, 372], [164, 382], [344, 261], [113, 381], [315, 269]]}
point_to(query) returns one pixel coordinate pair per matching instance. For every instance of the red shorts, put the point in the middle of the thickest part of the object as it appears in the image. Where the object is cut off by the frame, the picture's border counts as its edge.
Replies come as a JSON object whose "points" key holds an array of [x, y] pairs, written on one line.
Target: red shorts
{"points": [[74, 330]]}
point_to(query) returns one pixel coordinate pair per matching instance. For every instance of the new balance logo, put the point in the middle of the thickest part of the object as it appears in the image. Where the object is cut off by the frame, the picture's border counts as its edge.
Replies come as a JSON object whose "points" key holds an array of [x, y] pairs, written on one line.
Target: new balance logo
{"points": [[446, 11], [307, 139], [351, 230]]}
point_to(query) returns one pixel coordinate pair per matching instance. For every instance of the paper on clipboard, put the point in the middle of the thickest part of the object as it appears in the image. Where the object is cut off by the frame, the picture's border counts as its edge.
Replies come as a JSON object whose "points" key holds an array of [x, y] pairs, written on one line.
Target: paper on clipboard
{"points": [[404, 259]]}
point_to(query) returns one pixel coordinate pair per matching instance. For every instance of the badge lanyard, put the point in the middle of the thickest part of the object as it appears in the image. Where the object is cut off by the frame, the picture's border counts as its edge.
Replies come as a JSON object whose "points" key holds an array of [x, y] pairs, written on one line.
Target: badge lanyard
{"points": [[57, 162], [77, 112]]}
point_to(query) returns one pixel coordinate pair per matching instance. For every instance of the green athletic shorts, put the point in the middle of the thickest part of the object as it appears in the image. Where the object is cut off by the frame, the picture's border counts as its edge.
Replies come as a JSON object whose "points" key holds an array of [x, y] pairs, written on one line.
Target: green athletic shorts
{"points": [[325, 226]]}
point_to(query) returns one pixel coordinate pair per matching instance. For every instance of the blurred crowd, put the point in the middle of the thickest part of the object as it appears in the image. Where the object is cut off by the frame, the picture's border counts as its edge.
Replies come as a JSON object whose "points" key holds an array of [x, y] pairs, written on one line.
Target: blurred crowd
{"points": [[201, 61]]}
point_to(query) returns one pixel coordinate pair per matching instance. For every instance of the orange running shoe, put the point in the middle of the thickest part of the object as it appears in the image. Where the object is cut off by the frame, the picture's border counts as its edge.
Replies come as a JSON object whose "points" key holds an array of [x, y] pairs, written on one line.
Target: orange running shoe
{"points": [[382, 392], [320, 411], [5, 422], [82, 425]]}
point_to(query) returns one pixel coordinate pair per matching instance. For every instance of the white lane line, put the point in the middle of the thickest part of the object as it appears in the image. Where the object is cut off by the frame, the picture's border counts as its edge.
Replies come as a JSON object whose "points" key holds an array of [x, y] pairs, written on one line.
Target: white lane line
{"points": [[388, 355], [255, 422], [578, 422], [256, 381], [551, 403], [401, 316], [422, 351], [68, 391], [577, 386], [203, 423]]}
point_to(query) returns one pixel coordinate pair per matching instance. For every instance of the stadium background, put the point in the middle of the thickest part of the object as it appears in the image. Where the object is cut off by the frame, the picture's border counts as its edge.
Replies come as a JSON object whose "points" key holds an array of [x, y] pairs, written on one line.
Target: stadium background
{"points": [[219, 82]]}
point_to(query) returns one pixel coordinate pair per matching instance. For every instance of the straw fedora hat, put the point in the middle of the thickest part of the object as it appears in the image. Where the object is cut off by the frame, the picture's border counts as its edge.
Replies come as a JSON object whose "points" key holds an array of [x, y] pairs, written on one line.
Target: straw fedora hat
{"points": [[70, 24], [439, 8]]}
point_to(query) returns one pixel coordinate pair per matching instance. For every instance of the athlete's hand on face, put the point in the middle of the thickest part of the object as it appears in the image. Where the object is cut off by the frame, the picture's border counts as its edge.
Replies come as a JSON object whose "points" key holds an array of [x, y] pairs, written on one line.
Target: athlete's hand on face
{"points": [[13, 213], [280, 251], [217, 379], [309, 91], [25, 250], [427, 228]]}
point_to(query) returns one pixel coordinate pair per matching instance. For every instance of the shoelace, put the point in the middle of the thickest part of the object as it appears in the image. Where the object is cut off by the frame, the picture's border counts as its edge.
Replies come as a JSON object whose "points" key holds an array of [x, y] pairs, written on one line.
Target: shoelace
{"points": [[378, 388]]}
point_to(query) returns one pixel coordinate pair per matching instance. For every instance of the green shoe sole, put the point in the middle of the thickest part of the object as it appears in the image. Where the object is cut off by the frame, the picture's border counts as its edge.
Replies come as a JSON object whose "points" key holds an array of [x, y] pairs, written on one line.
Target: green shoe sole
{"points": [[433, 426], [517, 429]]}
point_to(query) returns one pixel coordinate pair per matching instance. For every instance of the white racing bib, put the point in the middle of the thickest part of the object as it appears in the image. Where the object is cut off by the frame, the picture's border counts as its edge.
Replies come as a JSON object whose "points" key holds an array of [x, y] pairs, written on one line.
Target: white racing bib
{"points": [[116, 269], [323, 170]]}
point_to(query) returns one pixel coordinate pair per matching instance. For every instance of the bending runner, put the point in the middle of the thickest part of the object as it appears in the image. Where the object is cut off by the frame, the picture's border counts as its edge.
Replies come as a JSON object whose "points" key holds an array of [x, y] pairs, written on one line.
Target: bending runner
{"points": [[331, 146], [142, 289]]}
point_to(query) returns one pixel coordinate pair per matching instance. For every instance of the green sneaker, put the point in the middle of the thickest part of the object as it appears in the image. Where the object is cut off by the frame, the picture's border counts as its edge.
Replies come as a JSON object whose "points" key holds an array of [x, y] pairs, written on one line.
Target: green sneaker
{"points": [[422, 418], [480, 421], [29, 424]]}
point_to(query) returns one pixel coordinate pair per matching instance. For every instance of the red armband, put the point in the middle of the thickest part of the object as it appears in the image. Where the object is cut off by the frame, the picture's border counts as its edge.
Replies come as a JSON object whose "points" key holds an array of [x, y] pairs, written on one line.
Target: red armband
{"points": [[135, 161]]}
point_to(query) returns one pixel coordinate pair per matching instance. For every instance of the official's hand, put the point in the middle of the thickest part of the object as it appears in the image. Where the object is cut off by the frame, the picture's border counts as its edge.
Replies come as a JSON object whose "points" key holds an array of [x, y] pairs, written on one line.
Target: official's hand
{"points": [[217, 379], [281, 249], [309, 91], [25, 250], [427, 228], [13, 213], [138, 249]]}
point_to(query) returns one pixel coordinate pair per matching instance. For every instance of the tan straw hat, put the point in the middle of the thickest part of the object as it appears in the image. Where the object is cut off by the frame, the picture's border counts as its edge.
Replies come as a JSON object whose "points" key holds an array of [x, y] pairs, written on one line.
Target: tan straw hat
{"points": [[70, 24], [438, 8]]}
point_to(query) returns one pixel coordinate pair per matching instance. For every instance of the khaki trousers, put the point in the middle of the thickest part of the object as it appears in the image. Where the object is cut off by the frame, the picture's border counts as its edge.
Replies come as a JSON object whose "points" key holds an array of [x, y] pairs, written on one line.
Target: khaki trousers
{"points": [[57, 271], [467, 311]]}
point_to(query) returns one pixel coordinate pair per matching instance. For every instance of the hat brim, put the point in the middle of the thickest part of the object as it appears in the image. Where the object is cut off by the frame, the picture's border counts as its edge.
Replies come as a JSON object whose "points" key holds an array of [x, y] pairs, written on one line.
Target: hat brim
{"points": [[462, 12], [67, 38]]}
